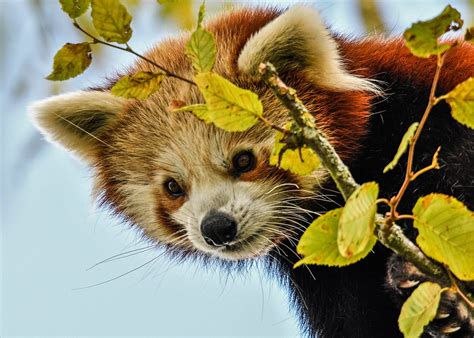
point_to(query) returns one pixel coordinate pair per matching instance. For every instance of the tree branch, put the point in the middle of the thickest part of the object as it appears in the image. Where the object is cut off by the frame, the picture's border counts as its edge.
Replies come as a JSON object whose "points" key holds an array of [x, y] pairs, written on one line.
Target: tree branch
{"points": [[130, 50], [389, 234], [310, 135]]}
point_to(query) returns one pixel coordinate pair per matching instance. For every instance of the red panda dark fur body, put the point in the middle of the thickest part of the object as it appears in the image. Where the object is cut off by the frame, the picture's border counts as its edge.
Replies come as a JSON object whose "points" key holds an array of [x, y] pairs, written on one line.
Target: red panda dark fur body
{"points": [[365, 129]]}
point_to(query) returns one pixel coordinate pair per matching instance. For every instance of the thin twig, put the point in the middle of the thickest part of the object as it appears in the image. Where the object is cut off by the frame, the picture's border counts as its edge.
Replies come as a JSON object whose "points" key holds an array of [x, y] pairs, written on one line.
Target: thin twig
{"points": [[432, 101], [130, 50]]}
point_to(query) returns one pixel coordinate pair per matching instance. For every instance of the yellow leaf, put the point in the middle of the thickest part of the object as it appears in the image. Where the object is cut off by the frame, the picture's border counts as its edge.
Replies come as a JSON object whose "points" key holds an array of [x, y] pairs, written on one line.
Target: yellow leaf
{"points": [[446, 232], [200, 110], [74, 8], [357, 222], [291, 159], [419, 309], [461, 100], [111, 20], [229, 107], [138, 86], [70, 61], [406, 140], [318, 244]]}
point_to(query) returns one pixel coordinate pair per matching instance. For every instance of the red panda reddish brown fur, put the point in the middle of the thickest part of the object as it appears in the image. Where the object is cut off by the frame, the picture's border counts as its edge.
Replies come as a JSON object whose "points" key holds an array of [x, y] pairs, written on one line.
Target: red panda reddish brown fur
{"points": [[377, 90]]}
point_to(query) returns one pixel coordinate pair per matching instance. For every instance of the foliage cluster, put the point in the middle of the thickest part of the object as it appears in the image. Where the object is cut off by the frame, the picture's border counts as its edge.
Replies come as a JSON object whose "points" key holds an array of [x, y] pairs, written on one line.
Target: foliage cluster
{"points": [[342, 236]]}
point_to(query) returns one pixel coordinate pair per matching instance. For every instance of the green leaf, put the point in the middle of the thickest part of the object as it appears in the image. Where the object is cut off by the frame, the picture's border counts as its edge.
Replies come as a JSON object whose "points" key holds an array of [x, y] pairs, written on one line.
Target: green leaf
{"points": [[138, 86], [461, 100], [229, 107], [357, 222], [406, 140], [422, 37], [201, 49], [291, 159], [446, 232], [74, 8], [419, 309], [70, 61], [111, 20], [318, 244], [200, 110]]}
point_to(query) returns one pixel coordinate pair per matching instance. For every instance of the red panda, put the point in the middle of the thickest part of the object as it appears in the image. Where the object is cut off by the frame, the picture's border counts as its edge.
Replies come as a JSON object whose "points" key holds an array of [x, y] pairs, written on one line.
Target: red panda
{"points": [[203, 192]]}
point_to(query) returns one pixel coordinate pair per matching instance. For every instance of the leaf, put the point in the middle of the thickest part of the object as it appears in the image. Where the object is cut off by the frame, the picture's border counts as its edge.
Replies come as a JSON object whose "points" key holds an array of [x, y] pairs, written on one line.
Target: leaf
{"points": [[446, 232], [70, 61], [319, 243], [111, 20], [406, 140], [419, 309], [357, 222], [138, 86], [202, 12], [74, 8], [229, 107], [201, 49], [200, 110], [291, 159], [461, 100], [422, 37]]}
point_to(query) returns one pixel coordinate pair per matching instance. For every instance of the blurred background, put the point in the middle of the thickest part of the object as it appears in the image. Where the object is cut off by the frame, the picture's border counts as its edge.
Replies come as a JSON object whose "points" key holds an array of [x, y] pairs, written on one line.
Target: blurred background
{"points": [[51, 234]]}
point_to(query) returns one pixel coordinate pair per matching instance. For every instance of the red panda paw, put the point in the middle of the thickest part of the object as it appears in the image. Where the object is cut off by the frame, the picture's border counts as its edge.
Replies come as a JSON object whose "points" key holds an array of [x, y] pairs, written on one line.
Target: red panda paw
{"points": [[454, 319]]}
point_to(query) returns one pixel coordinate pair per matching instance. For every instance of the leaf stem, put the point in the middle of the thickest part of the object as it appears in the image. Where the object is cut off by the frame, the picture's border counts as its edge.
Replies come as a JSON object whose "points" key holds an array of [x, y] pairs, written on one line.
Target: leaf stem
{"points": [[434, 165], [458, 290], [130, 50]]}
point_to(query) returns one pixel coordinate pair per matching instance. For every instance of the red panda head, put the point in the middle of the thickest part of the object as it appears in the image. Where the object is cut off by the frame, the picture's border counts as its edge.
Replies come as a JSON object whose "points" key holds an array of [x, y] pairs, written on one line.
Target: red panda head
{"points": [[191, 185]]}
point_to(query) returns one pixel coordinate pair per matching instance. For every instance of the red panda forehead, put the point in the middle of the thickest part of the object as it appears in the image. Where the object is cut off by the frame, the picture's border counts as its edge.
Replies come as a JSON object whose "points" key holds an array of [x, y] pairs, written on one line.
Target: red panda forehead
{"points": [[206, 152]]}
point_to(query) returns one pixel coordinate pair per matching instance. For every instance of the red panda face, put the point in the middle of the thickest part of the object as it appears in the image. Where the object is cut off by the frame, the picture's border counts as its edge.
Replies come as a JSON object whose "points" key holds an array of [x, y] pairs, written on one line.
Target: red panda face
{"points": [[189, 184], [198, 188]]}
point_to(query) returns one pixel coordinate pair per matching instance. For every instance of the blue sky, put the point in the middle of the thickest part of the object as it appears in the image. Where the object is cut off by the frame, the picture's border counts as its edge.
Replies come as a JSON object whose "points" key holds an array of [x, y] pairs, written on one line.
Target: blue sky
{"points": [[51, 232]]}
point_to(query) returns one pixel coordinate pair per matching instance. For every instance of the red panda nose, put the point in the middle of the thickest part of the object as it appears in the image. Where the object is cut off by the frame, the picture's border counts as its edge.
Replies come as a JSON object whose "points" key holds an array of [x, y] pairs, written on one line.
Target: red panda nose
{"points": [[218, 228]]}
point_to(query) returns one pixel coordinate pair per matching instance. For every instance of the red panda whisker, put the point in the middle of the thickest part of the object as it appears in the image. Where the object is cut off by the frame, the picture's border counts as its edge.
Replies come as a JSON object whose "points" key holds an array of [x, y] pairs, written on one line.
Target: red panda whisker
{"points": [[122, 256], [121, 275]]}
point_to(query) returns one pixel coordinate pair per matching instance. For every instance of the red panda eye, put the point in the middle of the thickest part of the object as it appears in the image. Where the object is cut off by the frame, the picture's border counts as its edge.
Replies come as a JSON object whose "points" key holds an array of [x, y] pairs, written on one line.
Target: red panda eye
{"points": [[173, 188], [244, 161]]}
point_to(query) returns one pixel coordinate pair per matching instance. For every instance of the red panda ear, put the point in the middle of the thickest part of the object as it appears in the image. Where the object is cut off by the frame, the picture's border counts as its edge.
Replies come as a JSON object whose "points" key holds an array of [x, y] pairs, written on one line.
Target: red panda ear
{"points": [[299, 40], [77, 120]]}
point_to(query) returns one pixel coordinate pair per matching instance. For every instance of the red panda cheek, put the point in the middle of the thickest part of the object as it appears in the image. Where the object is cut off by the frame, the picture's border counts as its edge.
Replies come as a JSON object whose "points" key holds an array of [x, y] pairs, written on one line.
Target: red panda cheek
{"points": [[165, 207]]}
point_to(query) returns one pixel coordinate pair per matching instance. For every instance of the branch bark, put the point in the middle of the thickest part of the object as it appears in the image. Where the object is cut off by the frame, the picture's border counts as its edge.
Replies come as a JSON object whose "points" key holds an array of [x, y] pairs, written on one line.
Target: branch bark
{"points": [[390, 235]]}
